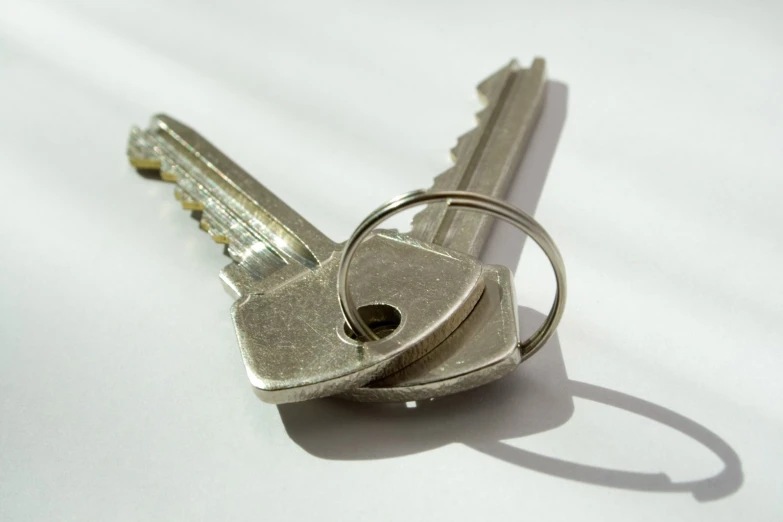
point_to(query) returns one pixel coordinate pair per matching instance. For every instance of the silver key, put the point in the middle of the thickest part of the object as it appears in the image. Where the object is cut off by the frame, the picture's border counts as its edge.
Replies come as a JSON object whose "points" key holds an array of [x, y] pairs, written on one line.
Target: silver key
{"points": [[485, 346], [289, 325], [487, 157]]}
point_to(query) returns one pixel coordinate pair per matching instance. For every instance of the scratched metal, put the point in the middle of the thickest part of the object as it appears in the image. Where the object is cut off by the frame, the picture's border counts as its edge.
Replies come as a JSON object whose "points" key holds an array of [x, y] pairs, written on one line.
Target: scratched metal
{"points": [[293, 338], [283, 263], [484, 348], [486, 159]]}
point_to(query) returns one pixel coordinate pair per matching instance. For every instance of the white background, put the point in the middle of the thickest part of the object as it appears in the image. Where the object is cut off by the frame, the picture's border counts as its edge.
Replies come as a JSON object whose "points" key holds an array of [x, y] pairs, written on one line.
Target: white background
{"points": [[122, 393]]}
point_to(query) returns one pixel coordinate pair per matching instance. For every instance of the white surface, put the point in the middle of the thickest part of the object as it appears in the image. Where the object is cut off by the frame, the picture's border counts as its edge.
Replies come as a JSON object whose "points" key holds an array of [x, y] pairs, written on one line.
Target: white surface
{"points": [[122, 394]]}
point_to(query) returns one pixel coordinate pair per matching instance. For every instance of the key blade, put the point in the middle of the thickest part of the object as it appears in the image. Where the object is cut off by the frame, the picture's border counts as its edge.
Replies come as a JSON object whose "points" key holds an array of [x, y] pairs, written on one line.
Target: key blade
{"points": [[485, 346], [487, 157], [263, 234]]}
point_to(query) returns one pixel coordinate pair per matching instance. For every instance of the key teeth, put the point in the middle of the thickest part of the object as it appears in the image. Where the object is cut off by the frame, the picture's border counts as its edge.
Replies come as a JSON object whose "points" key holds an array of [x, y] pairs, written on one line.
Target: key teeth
{"points": [[480, 115], [462, 142], [140, 154], [147, 149], [491, 87], [465, 139], [489, 91], [217, 235], [188, 202], [169, 171], [143, 154]]}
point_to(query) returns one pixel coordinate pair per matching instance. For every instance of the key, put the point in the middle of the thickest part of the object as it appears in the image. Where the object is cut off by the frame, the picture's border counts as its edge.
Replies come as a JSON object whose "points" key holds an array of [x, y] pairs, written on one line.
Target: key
{"points": [[289, 325], [482, 349], [487, 157], [485, 346]]}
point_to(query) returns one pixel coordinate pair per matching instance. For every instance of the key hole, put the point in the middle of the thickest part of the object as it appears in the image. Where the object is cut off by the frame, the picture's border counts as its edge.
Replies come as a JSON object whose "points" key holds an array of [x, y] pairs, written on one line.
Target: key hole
{"points": [[382, 318]]}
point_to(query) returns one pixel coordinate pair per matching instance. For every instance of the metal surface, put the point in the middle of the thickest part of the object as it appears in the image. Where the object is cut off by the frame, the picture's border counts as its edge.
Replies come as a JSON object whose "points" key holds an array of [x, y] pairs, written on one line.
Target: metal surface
{"points": [[486, 160], [484, 348], [467, 201], [294, 340], [282, 259], [288, 323], [263, 234], [487, 157]]}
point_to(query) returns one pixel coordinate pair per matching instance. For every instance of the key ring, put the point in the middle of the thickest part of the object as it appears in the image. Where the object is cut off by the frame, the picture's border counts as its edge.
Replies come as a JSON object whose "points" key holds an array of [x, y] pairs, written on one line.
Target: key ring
{"points": [[468, 201]]}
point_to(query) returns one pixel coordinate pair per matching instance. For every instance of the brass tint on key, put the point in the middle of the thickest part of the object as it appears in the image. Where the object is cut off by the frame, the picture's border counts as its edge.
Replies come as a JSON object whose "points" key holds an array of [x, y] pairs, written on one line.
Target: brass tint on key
{"points": [[416, 289], [283, 263]]}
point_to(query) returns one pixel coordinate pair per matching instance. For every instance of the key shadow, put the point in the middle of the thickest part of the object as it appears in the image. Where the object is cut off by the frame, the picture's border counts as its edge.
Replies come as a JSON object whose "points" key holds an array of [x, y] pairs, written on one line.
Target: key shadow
{"points": [[538, 397]]}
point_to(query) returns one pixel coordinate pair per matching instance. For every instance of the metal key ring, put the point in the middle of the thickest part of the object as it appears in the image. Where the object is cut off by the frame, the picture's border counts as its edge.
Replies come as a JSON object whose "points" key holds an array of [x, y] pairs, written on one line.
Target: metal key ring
{"points": [[468, 201]]}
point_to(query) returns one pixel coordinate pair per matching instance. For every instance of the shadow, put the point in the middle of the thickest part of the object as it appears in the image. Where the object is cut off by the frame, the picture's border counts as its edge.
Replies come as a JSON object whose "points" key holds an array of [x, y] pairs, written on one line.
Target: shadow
{"points": [[538, 397], [150, 174], [728, 481], [338, 429]]}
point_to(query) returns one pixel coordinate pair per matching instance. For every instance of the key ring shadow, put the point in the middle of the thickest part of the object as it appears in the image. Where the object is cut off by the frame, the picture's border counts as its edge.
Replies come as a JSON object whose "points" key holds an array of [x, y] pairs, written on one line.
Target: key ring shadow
{"points": [[725, 483], [538, 397]]}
